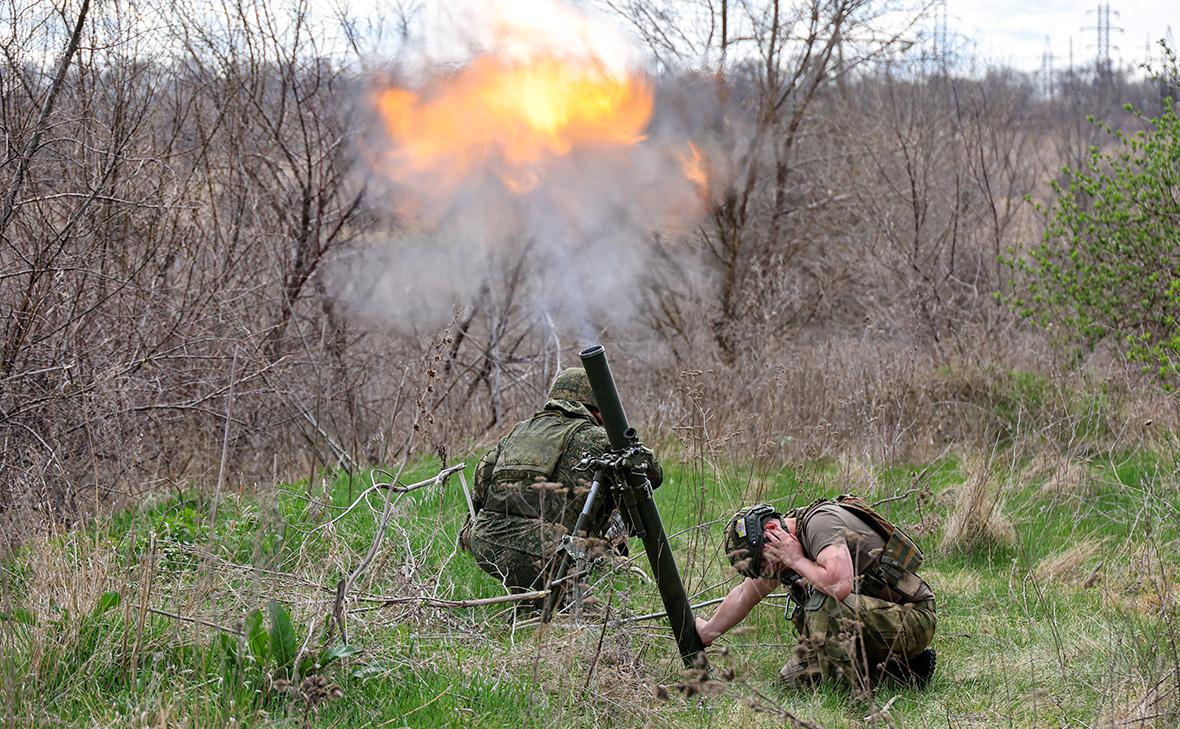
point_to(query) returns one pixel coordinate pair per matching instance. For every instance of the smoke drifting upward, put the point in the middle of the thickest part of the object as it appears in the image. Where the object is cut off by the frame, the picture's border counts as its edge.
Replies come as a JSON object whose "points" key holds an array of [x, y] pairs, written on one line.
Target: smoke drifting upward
{"points": [[538, 146]]}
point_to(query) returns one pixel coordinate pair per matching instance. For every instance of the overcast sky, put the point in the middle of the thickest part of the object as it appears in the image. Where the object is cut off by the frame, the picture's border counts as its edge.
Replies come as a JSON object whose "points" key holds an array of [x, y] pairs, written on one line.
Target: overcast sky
{"points": [[1014, 32], [1011, 32]]}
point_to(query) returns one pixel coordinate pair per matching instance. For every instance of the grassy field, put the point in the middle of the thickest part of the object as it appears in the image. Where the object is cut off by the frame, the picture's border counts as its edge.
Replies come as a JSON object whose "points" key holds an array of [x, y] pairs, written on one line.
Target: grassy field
{"points": [[1054, 582]]}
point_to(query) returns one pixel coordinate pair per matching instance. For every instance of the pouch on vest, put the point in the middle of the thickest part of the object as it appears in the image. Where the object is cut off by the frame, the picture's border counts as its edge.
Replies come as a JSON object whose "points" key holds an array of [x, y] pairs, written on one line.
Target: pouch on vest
{"points": [[901, 554]]}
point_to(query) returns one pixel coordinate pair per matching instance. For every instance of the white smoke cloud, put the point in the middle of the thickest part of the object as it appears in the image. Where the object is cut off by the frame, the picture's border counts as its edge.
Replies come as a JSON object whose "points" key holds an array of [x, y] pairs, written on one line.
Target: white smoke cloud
{"points": [[583, 225]]}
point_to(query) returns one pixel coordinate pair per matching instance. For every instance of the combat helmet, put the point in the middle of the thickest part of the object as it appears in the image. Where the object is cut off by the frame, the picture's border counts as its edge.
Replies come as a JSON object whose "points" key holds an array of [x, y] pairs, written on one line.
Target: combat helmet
{"points": [[745, 538], [573, 384]]}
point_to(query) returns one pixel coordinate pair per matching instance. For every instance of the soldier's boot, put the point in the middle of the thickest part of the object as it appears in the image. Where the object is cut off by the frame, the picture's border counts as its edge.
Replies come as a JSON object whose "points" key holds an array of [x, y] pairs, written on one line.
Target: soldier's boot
{"points": [[916, 671], [799, 675], [803, 670], [922, 666]]}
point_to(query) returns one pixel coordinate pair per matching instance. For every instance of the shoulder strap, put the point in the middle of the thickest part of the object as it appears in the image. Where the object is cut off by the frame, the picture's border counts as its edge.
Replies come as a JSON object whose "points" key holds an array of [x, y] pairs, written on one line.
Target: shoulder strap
{"points": [[901, 554], [802, 517], [867, 514]]}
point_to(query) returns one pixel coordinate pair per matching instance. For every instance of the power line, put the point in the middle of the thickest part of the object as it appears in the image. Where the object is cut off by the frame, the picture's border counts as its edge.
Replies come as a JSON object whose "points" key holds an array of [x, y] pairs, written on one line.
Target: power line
{"points": [[940, 35]]}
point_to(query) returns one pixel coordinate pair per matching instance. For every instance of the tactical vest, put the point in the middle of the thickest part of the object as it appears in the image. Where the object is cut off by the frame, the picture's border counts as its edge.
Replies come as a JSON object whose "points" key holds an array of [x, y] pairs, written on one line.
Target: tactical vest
{"points": [[528, 457], [892, 574]]}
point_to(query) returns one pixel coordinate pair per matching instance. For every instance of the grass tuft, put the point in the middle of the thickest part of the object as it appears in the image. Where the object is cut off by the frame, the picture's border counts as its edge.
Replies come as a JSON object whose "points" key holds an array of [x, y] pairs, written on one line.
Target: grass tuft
{"points": [[977, 521], [1075, 562], [1065, 479]]}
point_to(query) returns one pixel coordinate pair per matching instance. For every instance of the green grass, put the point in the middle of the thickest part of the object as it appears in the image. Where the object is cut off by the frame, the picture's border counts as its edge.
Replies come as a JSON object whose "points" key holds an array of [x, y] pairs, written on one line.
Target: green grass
{"points": [[1014, 649]]}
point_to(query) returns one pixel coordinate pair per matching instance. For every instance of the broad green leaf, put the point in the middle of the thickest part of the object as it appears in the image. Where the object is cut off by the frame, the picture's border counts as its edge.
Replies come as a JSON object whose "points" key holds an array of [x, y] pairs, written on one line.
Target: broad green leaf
{"points": [[284, 643], [257, 637], [105, 603], [337, 652]]}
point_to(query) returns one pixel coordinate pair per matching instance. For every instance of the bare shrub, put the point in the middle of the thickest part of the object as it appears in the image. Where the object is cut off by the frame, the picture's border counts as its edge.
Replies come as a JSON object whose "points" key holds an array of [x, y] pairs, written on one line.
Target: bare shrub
{"points": [[1141, 704], [176, 234]]}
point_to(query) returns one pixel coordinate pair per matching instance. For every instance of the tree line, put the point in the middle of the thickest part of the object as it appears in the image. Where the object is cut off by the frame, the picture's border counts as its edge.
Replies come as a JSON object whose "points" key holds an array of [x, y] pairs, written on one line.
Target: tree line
{"points": [[177, 182]]}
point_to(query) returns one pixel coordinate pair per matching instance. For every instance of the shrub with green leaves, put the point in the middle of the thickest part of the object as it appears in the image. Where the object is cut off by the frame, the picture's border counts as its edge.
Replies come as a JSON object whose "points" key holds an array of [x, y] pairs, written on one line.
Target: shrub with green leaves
{"points": [[1109, 264]]}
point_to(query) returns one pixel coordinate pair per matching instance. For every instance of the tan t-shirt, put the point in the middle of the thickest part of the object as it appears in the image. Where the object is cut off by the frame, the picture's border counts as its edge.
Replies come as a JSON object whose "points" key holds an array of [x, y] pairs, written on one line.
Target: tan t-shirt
{"points": [[832, 524]]}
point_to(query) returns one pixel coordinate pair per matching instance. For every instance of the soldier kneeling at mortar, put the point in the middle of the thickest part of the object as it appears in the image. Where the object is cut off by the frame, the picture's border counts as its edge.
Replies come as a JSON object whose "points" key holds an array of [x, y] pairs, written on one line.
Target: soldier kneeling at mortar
{"points": [[530, 488], [863, 612]]}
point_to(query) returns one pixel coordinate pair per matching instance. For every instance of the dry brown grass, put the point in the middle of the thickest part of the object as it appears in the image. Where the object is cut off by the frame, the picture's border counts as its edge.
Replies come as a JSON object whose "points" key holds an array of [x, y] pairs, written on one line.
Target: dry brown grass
{"points": [[978, 519], [1142, 706], [1063, 478], [69, 575], [1072, 564]]}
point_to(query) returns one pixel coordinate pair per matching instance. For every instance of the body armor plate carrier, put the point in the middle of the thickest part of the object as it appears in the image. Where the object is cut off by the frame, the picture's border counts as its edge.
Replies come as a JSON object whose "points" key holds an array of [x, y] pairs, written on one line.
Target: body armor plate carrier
{"points": [[528, 457]]}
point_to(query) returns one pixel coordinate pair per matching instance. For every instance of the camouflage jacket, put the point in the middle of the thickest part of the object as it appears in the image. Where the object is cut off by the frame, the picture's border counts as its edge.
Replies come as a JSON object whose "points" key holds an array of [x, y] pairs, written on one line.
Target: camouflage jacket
{"points": [[503, 497]]}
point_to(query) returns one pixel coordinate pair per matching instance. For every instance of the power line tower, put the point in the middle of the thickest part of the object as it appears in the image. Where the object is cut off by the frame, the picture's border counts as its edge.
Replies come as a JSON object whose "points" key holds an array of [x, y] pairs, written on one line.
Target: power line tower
{"points": [[1047, 85], [941, 49], [1102, 62]]}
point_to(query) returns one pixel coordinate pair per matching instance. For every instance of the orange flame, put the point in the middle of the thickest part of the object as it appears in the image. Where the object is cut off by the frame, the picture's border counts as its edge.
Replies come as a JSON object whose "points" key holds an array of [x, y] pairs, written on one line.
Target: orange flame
{"points": [[510, 118], [693, 166]]}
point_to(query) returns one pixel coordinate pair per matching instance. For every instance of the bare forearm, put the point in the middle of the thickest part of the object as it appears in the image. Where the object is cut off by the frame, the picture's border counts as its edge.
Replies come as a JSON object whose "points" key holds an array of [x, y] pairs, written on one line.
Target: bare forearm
{"points": [[829, 578], [735, 607], [815, 575]]}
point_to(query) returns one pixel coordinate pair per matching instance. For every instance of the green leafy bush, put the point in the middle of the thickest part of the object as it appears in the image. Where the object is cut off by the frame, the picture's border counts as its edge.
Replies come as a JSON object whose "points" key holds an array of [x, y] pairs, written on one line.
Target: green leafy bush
{"points": [[1109, 264]]}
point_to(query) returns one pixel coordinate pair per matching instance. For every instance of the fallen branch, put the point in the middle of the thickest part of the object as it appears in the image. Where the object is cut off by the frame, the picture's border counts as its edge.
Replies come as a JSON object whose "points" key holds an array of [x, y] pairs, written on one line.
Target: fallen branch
{"points": [[343, 587], [198, 621], [442, 476], [443, 603], [296, 579], [706, 603], [883, 712]]}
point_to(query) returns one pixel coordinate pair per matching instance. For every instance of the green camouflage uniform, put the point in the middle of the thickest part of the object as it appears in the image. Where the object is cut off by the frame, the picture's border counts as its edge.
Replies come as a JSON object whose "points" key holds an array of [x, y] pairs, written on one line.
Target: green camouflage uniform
{"points": [[873, 628], [519, 523]]}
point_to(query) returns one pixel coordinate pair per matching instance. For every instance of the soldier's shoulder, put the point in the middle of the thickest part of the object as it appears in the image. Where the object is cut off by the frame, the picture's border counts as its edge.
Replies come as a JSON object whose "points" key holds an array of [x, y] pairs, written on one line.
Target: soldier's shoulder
{"points": [[826, 507], [827, 513], [591, 437]]}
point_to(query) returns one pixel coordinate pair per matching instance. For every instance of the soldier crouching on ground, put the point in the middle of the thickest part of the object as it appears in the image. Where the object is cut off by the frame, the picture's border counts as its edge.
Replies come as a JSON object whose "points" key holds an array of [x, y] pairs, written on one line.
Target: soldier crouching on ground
{"points": [[863, 611], [528, 493]]}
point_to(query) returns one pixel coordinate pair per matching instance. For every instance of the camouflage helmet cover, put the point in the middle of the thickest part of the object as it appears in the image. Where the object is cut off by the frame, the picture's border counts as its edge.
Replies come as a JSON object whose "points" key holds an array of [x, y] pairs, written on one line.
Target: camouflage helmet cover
{"points": [[744, 541], [573, 384]]}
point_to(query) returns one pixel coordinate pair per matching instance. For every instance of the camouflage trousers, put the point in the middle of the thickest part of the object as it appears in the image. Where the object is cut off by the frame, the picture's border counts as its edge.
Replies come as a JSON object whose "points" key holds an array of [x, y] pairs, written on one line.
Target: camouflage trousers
{"points": [[523, 553], [855, 639], [510, 548]]}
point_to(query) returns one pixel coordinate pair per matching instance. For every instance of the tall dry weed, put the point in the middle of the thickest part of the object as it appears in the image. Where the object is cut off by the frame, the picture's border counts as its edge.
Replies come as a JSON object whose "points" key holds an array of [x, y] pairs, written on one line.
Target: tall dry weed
{"points": [[977, 520]]}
